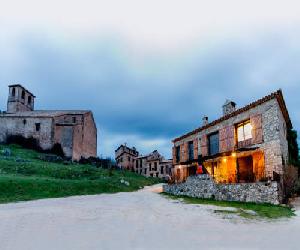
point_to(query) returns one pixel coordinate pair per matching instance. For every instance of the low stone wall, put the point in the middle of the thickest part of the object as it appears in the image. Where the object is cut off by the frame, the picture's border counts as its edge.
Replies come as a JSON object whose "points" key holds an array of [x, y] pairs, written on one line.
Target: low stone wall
{"points": [[202, 186]]}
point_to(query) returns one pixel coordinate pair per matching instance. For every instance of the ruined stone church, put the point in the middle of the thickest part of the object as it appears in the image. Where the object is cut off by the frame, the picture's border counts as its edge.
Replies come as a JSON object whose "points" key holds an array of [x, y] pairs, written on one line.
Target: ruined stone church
{"points": [[74, 130]]}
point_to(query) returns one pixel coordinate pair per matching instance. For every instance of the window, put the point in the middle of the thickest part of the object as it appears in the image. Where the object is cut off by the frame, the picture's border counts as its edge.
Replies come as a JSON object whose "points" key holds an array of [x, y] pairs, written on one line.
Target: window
{"points": [[23, 94], [74, 119], [244, 131], [155, 166], [29, 100], [128, 158], [145, 170], [214, 143], [13, 93], [24, 121], [177, 154], [150, 166], [37, 127], [191, 151], [162, 169]]}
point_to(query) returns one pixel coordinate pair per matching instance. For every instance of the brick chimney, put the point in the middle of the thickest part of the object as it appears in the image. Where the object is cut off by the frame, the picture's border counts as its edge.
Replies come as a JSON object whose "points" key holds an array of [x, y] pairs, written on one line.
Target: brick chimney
{"points": [[204, 120], [228, 107]]}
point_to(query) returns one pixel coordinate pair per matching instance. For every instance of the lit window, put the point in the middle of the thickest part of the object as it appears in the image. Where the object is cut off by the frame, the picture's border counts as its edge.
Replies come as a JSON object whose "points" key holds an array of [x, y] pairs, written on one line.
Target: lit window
{"points": [[244, 131]]}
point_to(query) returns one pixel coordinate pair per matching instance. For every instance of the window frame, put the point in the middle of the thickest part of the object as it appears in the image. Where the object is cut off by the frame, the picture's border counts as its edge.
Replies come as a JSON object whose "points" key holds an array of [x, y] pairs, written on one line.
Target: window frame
{"points": [[217, 143], [243, 124]]}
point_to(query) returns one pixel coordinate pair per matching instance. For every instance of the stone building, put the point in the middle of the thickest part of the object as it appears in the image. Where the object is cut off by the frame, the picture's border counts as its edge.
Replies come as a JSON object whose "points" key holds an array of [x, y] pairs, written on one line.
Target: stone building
{"points": [[246, 145], [154, 165], [126, 157], [151, 165], [74, 130]]}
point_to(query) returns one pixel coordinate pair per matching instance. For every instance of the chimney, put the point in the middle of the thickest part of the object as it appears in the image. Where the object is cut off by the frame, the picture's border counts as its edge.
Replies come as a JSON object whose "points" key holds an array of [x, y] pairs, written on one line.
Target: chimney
{"points": [[228, 107], [204, 120]]}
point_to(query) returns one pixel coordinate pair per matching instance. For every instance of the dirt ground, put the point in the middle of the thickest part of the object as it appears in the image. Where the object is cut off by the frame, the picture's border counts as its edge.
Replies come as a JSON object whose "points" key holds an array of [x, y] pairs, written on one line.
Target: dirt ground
{"points": [[139, 220]]}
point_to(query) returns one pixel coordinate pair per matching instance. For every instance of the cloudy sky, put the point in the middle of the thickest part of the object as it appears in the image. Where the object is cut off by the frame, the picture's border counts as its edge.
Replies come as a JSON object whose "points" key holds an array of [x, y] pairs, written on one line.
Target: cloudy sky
{"points": [[150, 69]]}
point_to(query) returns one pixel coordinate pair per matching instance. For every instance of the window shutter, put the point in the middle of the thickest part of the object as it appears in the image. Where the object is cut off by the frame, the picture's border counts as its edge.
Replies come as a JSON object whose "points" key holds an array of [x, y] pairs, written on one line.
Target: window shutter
{"points": [[226, 139], [196, 148], [223, 142], [257, 132], [204, 146], [186, 151], [230, 138], [174, 155]]}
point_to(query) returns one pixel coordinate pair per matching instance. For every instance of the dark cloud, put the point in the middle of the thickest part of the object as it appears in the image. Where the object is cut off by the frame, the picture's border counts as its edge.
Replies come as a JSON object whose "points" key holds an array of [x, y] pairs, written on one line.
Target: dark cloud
{"points": [[150, 98]]}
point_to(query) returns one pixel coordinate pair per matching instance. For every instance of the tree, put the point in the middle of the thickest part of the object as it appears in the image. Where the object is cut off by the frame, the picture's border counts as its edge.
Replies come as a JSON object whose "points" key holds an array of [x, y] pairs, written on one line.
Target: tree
{"points": [[294, 158]]}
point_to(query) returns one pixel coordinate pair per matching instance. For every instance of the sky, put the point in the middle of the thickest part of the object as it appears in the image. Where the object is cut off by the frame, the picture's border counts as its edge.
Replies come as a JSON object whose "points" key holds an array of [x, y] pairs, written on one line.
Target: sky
{"points": [[150, 70]]}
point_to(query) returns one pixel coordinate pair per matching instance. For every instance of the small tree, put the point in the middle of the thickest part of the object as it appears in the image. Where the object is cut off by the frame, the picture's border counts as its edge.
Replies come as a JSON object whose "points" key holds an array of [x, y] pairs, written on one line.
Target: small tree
{"points": [[294, 158]]}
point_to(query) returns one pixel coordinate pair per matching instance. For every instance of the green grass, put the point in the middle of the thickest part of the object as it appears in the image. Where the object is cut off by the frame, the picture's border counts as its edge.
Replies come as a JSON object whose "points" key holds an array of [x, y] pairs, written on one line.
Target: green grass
{"points": [[266, 211], [23, 176]]}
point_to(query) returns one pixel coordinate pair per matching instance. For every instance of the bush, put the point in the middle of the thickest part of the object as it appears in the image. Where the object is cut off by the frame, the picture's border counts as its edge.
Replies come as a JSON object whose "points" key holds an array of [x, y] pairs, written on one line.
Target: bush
{"points": [[32, 143]]}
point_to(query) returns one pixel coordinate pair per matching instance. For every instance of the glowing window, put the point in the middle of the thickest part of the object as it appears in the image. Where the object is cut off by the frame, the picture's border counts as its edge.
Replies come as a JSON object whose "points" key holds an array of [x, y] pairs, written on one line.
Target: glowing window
{"points": [[244, 131]]}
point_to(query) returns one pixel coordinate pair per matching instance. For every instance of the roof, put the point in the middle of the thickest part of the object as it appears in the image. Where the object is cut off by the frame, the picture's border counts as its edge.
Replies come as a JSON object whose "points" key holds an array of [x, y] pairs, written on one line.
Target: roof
{"points": [[46, 113], [275, 95], [19, 85]]}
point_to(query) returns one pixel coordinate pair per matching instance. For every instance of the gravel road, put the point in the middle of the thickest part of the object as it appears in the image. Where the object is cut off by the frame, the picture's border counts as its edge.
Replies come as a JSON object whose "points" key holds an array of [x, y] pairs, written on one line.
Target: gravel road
{"points": [[138, 220]]}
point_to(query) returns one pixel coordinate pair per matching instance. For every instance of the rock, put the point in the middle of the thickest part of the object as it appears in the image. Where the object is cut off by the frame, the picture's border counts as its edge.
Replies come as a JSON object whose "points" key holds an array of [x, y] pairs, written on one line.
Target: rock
{"points": [[6, 152], [51, 158], [18, 159]]}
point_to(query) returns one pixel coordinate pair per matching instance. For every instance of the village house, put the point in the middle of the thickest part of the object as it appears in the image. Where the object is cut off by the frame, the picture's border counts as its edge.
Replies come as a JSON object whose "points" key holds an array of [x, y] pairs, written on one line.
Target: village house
{"points": [[246, 145], [154, 165], [73, 130], [151, 165], [126, 157]]}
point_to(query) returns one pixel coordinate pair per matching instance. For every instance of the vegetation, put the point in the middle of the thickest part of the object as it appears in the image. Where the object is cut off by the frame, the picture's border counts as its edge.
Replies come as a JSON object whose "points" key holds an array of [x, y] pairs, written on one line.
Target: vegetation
{"points": [[242, 209], [294, 158], [25, 175]]}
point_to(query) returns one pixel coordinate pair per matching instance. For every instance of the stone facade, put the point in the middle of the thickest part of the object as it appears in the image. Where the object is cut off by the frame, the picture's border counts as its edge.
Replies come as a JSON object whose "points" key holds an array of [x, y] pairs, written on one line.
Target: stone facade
{"points": [[75, 131], [151, 165], [245, 145], [203, 186], [154, 165], [126, 157]]}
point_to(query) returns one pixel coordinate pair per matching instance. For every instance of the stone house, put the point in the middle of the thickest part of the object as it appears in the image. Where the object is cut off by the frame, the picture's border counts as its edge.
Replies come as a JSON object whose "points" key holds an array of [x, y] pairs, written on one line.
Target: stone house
{"points": [[154, 165], [151, 165], [74, 130], [126, 157], [246, 145]]}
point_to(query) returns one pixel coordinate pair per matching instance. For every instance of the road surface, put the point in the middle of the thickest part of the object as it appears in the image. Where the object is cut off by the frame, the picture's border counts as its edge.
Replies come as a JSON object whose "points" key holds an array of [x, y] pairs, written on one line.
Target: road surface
{"points": [[138, 220]]}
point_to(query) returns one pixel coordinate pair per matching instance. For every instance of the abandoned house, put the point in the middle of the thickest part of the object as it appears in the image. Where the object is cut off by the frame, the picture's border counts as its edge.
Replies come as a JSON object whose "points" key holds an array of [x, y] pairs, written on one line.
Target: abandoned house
{"points": [[126, 157], [154, 165], [74, 130], [151, 165], [245, 146]]}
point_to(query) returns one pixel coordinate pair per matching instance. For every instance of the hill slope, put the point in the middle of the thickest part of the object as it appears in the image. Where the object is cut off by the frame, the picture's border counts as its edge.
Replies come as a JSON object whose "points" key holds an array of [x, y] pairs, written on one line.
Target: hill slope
{"points": [[25, 176]]}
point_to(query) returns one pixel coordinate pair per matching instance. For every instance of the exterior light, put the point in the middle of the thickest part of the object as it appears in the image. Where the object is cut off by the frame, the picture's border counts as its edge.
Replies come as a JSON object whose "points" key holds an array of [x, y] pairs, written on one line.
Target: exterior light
{"points": [[233, 154], [224, 160]]}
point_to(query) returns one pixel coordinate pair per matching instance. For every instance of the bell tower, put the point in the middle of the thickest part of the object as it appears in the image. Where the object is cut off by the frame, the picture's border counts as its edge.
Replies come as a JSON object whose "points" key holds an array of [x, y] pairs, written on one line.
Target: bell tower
{"points": [[19, 99]]}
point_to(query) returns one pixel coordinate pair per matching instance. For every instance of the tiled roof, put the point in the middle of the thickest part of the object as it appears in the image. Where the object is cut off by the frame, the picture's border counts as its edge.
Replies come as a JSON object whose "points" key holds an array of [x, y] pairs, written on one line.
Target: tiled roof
{"points": [[278, 95], [45, 113]]}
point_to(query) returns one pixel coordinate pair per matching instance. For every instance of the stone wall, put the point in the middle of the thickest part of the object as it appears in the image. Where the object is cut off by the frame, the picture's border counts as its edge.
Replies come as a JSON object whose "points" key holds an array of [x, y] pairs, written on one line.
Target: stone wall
{"points": [[26, 127], [202, 186]]}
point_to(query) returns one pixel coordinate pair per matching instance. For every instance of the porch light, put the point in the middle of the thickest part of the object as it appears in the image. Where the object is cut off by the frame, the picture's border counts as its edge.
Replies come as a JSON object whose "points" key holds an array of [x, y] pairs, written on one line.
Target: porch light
{"points": [[233, 154], [224, 160]]}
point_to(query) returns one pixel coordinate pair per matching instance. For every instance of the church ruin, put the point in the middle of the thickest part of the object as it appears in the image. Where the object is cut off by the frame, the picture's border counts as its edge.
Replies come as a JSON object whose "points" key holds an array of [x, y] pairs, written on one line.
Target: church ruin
{"points": [[74, 130]]}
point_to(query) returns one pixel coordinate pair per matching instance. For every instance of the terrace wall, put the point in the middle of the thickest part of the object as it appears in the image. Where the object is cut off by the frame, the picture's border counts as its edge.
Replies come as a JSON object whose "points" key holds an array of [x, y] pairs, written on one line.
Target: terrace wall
{"points": [[202, 186]]}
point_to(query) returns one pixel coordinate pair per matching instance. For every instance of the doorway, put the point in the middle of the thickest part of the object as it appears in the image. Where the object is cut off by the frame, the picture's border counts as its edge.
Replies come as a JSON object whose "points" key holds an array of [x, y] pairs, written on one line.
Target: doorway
{"points": [[245, 169]]}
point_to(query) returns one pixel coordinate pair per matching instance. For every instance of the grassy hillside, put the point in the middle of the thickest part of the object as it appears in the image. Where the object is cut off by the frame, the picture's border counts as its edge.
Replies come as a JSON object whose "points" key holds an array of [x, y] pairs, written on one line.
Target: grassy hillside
{"points": [[24, 176]]}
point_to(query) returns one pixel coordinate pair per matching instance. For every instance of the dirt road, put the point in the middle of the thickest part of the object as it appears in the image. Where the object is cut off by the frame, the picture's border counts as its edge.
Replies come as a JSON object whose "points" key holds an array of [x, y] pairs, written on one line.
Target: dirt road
{"points": [[139, 220]]}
